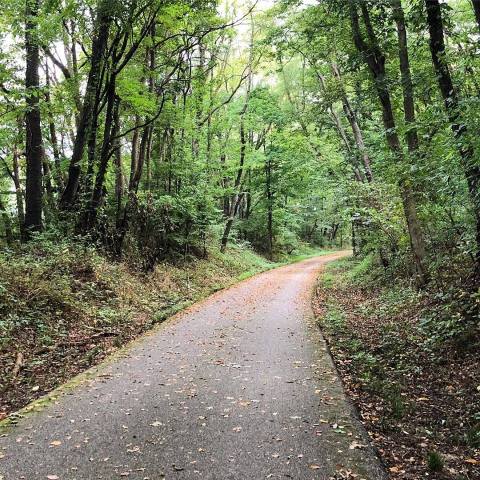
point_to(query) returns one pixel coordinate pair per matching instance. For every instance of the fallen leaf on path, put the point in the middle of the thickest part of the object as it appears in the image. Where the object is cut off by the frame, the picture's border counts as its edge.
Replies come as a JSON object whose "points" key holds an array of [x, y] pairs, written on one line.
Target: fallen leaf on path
{"points": [[55, 443], [355, 445]]}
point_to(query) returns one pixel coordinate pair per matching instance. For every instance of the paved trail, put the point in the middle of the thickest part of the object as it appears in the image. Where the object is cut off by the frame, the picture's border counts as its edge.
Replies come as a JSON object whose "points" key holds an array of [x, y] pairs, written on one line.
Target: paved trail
{"points": [[239, 386]]}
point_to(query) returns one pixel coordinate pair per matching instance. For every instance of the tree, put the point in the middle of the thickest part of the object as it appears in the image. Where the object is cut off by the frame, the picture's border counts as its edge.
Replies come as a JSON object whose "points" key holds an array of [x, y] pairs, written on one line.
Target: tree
{"points": [[459, 129], [375, 60], [34, 142]]}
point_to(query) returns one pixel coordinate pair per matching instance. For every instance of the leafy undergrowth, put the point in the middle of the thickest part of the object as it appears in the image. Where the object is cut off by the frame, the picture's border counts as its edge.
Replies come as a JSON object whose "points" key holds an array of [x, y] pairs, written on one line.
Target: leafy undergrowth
{"points": [[63, 308], [418, 394]]}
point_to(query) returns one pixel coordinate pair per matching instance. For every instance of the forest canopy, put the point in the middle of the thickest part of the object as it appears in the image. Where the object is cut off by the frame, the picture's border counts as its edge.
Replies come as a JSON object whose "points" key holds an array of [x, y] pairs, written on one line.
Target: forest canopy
{"points": [[154, 129]]}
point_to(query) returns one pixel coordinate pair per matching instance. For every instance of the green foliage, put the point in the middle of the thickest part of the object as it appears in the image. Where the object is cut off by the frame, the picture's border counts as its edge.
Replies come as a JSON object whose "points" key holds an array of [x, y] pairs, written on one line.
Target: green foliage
{"points": [[435, 462], [472, 436], [40, 293]]}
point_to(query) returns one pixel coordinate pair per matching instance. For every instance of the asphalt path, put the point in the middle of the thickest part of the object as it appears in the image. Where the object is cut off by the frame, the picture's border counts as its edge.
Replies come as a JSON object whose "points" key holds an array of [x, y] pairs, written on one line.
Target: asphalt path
{"points": [[239, 386]]}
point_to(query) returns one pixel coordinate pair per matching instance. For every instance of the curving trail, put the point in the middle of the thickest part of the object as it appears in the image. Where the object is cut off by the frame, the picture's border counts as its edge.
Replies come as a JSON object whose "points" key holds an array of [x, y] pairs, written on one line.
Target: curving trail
{"points": [[239, 386]]}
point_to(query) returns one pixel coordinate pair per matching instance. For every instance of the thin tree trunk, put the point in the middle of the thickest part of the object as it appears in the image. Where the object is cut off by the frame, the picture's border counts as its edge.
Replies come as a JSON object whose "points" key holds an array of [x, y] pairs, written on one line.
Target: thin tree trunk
{"points": [[34, 142], [235, 202], [269, 194], [99, 45], [105, 154], [92, 152], [418, 244], [53, 133], [134, 152], [7, 224], [354, 125], [142, 155], [19, 196], [450, 97], [376, 63], [119, 178]]}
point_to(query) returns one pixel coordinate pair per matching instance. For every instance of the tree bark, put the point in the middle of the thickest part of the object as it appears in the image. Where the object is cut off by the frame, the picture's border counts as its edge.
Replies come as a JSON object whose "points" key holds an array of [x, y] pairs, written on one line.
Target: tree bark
{"points": [[354, 125], [19, 196], [134, 152], [411, 134], [99, 45], [119, 178], [450, 97], [269, 194], [53, 133], [235, 202], [375, 60], [34, 142], [105, 154]]}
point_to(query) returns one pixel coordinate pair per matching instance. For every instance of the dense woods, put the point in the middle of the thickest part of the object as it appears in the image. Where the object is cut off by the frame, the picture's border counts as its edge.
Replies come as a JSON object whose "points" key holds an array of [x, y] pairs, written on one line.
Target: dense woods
{"points": [[152, 129], [159, 131]]}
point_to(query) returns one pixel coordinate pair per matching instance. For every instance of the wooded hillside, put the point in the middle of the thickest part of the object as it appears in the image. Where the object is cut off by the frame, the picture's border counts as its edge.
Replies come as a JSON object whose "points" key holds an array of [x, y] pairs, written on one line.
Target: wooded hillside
{"points": [[156, 132]]}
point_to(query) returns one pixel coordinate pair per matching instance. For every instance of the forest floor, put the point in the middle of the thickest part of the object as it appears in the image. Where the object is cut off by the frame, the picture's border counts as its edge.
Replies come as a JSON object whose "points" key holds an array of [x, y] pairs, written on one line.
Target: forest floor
{"points": [[239, 385], [419, 401], [64, 308]]}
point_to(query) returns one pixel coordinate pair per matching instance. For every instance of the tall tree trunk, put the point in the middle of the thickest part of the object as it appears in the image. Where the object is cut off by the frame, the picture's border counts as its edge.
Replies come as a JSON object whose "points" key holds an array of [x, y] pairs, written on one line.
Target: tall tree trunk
{"points": [[269, 194], [450, 97], [19, 196], [134, 152], [418, 245], [376, 63], [142, 155], [235, 201], [117, 147], [354, 125], [87, 185], [53, 133], [238, 185], [99, 45], [105, 154], [34, 142]]}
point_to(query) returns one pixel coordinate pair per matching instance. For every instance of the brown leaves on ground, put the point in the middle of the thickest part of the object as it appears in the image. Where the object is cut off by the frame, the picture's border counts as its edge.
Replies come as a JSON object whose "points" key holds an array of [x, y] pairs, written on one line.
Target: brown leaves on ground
{"points": [[412, 400]]}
